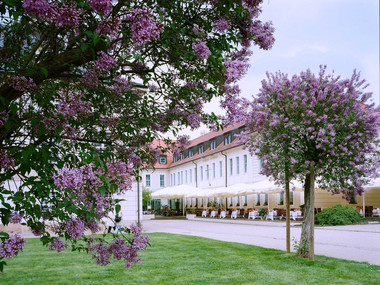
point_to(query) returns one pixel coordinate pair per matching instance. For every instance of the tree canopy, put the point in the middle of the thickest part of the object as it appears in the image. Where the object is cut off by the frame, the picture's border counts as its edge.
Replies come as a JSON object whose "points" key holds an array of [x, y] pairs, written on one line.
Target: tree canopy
{"points": [[315, 128], [86, 85]]}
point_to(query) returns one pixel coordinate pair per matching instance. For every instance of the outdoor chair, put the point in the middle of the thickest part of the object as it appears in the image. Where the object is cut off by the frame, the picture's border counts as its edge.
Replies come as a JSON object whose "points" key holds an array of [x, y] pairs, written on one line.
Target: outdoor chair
{"points": [[213, 214], [293, 215], [253, 215], [204, 214], [222, 214], [270, 216], [234, 215]]}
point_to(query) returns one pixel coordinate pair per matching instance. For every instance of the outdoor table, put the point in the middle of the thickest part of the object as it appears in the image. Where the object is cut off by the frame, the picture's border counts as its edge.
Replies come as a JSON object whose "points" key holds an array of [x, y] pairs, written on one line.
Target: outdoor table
{"points": [[222, 214], [213, 214]]}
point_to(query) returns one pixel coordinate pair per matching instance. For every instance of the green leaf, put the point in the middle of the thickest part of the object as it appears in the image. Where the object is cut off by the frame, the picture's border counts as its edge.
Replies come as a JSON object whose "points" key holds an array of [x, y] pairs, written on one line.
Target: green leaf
{"points": [[96, 39], [118, 208], [103, 190], [13, 3], [44, 71], [83, 47]]}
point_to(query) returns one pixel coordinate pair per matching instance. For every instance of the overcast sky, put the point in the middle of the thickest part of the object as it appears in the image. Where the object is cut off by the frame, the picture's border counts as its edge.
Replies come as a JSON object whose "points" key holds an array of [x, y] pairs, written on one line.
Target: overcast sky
{"points": [[342, 34]]}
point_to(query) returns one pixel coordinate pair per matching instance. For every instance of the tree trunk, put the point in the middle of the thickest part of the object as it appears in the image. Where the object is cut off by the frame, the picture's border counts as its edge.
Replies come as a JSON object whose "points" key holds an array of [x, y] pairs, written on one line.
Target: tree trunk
{"points": [[287, 212], [306, 244]]}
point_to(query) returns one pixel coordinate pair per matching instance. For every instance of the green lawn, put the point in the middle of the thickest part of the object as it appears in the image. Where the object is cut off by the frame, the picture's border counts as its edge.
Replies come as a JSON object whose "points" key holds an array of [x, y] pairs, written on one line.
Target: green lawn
{"points": [[177, 259]]}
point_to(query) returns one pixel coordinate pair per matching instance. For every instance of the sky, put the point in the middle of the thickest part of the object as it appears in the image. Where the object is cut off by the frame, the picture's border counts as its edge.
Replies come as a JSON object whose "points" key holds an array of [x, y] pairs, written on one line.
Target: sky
{"points": [[342, 34]]}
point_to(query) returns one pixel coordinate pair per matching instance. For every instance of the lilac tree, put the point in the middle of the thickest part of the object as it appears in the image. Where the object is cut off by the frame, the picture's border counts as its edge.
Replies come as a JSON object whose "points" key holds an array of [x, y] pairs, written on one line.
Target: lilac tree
{"points": [[315, 128], [87, 85]]}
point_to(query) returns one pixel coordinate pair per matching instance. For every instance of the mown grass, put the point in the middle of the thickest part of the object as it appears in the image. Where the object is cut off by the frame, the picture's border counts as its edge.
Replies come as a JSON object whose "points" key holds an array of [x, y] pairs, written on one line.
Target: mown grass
{"points": [[178, 259]]}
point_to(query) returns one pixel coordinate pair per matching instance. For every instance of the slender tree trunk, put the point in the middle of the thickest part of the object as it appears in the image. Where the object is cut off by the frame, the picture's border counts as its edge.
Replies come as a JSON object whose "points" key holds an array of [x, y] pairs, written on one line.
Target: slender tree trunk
{"points": [[306, 244], [287, 212]]}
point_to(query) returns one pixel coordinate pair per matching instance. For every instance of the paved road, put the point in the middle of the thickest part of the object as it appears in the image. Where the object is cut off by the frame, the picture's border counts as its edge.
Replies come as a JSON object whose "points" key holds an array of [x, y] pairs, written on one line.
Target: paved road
{"points": [[359, 242]]}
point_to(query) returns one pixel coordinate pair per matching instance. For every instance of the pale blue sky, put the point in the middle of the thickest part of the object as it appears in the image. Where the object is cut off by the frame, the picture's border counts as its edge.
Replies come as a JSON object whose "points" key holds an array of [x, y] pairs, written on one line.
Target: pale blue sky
{"points": [[342, 34]]}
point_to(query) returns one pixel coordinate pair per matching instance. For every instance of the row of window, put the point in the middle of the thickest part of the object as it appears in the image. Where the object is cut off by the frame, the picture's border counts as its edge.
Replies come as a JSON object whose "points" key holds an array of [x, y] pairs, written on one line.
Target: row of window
{"points": [[148, 180], [209, 171], [201, 148]]}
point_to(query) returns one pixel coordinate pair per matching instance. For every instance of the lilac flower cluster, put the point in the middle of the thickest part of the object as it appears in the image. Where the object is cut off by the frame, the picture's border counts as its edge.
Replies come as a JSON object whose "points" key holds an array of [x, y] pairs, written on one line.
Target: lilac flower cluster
{"points": [[181, 143], [15, 218], [21, 83], [73, 104], [235, 70], [5, 161], [143, 25], [105, 62], [63, 16], [110, 27], [75, 228], [121, 84], [11, 246], [201, 49], [58, 245], [221, 25], [103, 7], [119, 248], [263, 34], [4, 116]]}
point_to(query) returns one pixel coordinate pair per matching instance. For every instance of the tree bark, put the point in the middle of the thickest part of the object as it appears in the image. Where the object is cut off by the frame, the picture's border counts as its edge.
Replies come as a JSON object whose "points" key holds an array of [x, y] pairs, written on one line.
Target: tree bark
{"points": [[287, 212], [306, 244]]}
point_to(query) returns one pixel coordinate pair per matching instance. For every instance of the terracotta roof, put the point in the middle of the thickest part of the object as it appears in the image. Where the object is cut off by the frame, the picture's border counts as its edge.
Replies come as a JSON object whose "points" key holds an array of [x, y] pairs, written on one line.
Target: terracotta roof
{"points": [[195, 142]]}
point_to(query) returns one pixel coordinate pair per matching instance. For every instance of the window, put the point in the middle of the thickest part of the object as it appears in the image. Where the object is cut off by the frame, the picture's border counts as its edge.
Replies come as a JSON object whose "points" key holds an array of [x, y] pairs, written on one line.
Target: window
{"points": [[207, 172], [245, 200], [191, 175], [220, 169], [245, 163], [230, 201], [173, 178], [186, 176], [147, 180], [261, 164], [175, 159], [179, 178], [227, 139], [162, 180], [200, 149], [237, 201], [201, 173], [231, 166], [212, 144], [213, 170], [290, 197], [280, 198], [191, 152], [241, 130], [266, 200], [237, 165], [182, 156], [162, 159], [257, 199], [201, 202]]}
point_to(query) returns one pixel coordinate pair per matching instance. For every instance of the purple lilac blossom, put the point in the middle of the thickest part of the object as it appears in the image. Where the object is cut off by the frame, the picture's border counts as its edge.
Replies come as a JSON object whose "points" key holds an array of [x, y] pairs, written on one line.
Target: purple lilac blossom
{"points": [[15, 218], [201, 49], [11, 246]]}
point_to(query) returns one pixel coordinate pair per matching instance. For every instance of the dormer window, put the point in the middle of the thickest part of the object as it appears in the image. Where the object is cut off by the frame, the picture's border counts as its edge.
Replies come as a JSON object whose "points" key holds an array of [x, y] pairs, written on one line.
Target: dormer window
{"points": [[175, 159], [200, 149], [227, 139], [212, 144], [162, 159], [182, 156], [191, 152]]}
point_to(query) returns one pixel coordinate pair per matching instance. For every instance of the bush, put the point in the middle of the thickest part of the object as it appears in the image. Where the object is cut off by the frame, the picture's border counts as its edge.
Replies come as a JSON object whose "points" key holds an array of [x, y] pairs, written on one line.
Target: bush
{"points": [[338, 215]]}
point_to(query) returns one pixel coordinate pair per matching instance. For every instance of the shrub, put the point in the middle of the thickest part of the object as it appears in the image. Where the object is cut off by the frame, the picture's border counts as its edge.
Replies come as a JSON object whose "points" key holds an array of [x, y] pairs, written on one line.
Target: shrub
{"points": [[338, 215]]}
